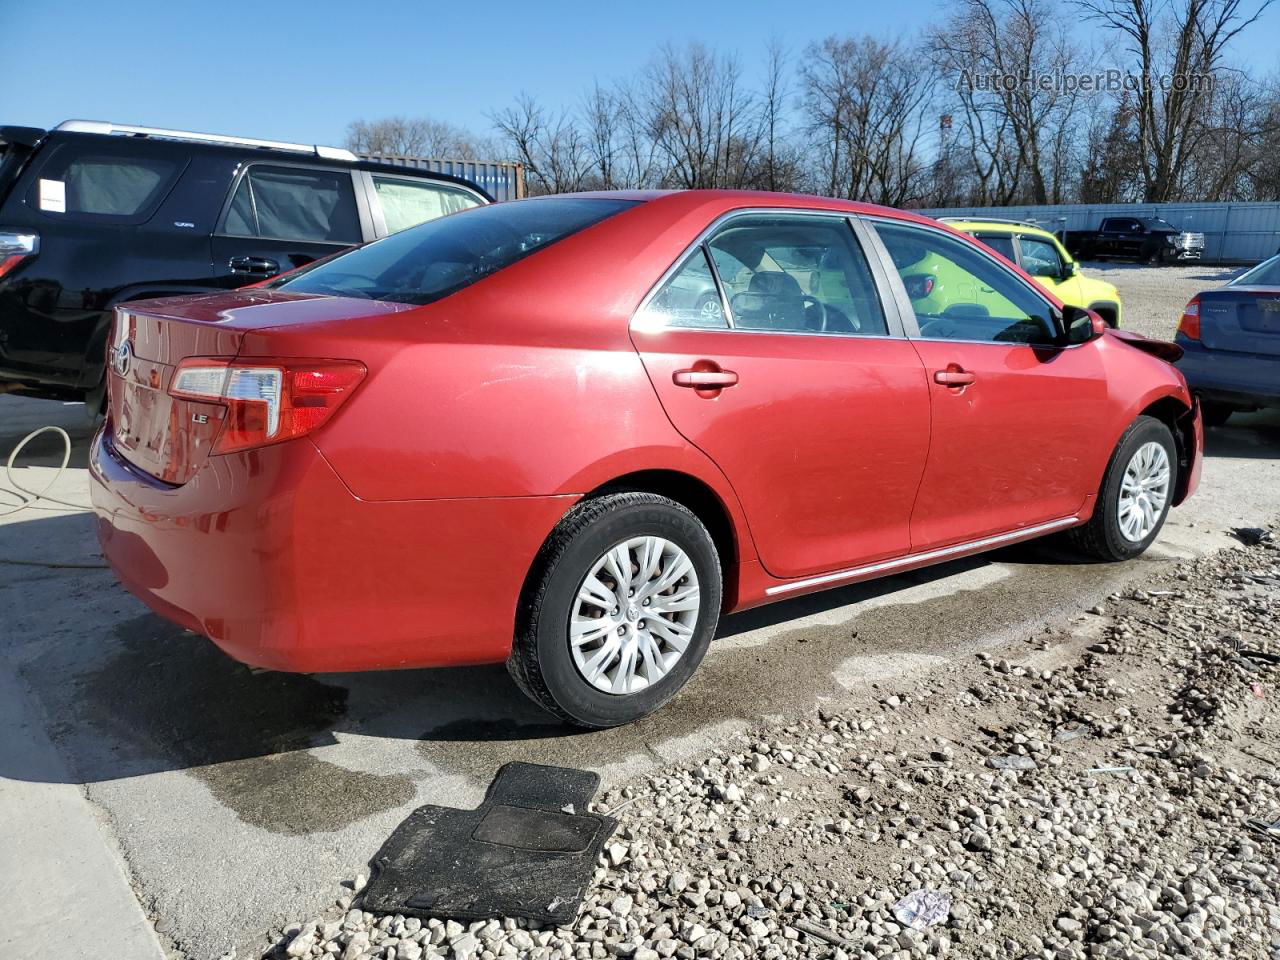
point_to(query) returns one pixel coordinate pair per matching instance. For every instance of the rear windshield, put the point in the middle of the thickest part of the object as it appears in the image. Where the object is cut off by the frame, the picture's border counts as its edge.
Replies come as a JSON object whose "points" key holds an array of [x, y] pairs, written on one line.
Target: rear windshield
{"points": [[1266, 274], [428, 262]]}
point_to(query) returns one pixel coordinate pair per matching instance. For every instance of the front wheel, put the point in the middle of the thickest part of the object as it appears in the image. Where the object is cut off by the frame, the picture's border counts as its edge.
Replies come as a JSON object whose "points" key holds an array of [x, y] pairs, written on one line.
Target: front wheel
{"points": [[620, 607], [1135, 497]]}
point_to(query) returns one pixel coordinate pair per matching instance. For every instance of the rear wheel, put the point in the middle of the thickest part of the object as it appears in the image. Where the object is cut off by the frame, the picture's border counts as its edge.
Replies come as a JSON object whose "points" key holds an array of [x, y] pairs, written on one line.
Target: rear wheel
{"points": [[1135, 496], [620, 607], [1215, 413]]}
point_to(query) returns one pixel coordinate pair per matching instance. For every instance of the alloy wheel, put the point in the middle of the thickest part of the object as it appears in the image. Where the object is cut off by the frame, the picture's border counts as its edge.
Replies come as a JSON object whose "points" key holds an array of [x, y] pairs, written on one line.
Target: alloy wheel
{"points": [[1144, 491], [634, 615]]}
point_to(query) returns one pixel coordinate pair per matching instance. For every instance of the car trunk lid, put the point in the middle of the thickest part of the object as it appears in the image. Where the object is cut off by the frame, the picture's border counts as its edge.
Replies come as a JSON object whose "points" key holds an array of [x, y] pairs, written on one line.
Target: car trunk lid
{"points": [[1244, 319], [170, 437]]}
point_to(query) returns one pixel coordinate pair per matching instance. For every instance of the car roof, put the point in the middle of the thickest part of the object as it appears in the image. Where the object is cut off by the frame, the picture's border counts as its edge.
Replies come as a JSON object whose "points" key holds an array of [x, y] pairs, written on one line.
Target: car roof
{"points": [[993, 226], [311, 155], [717, 202]]}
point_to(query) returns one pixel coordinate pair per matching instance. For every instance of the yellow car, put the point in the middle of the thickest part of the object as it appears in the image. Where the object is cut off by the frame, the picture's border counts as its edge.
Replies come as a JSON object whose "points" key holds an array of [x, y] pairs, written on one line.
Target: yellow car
{"points": [[1040, 254]]}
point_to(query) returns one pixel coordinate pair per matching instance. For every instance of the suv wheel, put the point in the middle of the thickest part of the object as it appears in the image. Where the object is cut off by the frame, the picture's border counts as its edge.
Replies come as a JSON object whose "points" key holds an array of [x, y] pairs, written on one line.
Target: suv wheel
{"points": [[1135, 496], [620, 607]]}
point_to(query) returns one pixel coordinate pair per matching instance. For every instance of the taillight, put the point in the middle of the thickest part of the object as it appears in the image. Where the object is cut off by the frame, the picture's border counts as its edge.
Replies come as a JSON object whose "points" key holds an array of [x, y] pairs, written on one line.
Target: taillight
{"points": [[16, 246], [919, 285], [1189, 325], [267, 401]]}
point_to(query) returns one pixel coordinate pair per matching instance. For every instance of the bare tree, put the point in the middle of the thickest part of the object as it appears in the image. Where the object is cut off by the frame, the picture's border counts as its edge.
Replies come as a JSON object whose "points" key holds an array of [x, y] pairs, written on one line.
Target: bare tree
{"points": [[556, 154], [702, 119], [864, 100], [415, 137], [1179, 46], [994, 54]]}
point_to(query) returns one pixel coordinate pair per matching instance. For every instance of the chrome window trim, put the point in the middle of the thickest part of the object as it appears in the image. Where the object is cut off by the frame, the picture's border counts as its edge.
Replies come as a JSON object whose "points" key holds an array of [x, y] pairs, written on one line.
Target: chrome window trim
{"points": [[894, 322], [909, 311]]}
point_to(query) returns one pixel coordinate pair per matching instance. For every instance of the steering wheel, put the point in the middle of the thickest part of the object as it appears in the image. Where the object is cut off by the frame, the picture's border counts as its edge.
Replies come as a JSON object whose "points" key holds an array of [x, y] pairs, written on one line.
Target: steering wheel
{"points": [[806, 299], [941, 328]]}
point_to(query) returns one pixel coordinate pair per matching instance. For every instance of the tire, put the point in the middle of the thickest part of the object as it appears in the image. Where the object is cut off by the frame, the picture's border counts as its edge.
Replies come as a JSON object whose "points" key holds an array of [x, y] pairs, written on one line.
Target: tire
{"points": [[1104, 536], [1215, 414], [543, 662]]}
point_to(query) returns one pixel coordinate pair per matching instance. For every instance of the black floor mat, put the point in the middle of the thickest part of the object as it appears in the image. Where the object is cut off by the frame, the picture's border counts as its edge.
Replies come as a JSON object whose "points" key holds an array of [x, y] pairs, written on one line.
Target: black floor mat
{"points": [[518, 854]]}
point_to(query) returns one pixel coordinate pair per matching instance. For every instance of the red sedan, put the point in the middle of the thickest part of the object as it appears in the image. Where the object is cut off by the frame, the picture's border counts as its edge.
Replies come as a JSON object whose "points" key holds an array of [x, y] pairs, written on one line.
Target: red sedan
{"points": [[568, 433]]}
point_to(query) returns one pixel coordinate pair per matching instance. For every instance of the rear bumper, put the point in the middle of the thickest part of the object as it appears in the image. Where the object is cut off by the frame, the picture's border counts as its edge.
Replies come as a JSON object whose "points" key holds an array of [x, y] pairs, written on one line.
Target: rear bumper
{"points": [[1244, 378], [269, 555]]}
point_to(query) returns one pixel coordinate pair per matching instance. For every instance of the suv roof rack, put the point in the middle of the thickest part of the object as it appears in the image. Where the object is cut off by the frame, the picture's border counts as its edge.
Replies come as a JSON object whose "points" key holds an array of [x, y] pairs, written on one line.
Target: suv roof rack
{"points": [[106, 127], [1013, 223]]}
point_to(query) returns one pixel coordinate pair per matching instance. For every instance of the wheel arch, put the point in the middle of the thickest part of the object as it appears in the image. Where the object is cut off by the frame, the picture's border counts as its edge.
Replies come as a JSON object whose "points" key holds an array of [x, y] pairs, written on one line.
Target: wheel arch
{"points": [[1109, 310], [695, 494], [1177, 416]]}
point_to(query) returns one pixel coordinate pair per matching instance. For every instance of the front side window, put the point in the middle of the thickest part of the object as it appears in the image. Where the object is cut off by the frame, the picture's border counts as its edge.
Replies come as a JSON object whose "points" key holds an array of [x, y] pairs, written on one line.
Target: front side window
{"points": [[291, 203], [1040, 258], [102, 184], [434, 259], [960, 294], [407, 203], [796, 274], [688, 299]]}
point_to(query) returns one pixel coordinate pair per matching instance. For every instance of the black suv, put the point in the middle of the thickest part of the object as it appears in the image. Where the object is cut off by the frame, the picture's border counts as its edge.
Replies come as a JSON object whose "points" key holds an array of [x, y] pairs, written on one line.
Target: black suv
{"points": [[93, 214]]}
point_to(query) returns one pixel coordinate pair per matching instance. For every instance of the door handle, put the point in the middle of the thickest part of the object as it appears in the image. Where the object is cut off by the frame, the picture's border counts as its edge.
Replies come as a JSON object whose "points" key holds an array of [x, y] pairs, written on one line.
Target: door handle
{"points": [[255, 266], [954, 377], [704, 379]]}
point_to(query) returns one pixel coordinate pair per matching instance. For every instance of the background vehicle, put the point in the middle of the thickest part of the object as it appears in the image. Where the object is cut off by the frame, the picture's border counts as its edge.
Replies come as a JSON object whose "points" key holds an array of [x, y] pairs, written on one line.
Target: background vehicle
{"points": [[1146, 239], [526, 447], [1231, 342], [1039, 253], [94, 214]]}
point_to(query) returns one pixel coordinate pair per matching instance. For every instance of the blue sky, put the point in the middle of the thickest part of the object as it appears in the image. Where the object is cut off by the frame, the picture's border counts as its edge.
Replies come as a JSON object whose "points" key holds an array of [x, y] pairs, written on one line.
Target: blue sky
{"points": [[302, 71]]}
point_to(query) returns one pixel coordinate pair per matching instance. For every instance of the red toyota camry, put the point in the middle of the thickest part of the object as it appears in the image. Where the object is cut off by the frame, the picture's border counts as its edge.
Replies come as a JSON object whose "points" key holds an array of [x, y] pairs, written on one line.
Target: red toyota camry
{"points": [[568, 433]]}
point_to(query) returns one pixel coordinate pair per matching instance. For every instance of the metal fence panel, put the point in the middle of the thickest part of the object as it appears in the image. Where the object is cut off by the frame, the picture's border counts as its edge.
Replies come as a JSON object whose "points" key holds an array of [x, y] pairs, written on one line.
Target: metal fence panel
{"points": [[1233, 232], [503, 181]]}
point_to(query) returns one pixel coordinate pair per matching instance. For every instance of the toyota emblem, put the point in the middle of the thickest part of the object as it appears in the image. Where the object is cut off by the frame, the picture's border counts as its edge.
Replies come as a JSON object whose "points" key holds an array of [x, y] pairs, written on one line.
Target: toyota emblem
{"points": [[122, 358]]}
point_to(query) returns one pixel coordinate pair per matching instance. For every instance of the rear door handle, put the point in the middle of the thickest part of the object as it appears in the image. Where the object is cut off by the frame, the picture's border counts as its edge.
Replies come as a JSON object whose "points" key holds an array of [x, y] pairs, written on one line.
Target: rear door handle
{"points": [[255, 266], [954, 378], [704, 379]]}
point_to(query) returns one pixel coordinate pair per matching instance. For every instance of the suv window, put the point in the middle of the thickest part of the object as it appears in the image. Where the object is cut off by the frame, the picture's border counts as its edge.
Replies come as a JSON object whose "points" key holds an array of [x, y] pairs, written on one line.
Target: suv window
{"points": [[292, 203], [1000, 243], [432, 260], [959, 294], [101, 184], [689, 299], [1121, 225], [797, 274], [1040, 258], [407, 203]]}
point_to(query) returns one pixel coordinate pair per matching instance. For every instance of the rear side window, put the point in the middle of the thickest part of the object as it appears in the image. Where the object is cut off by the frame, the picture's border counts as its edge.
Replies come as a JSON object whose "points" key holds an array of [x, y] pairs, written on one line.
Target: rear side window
{"points": [[430, 261], [407, 203], [1002, 245], [796, 274], [689, 299], [292, 203], [102, 184]]}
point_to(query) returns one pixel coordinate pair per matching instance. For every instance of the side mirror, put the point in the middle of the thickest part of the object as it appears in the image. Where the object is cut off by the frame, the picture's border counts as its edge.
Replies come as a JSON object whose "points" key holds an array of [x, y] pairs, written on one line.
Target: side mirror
{"points": [[1082, 325], [1070, 270]]}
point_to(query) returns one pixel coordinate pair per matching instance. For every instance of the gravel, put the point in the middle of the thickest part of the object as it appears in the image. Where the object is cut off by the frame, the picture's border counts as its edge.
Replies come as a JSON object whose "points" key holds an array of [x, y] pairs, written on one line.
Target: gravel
{"points": [[1133, 826], [1153, 297]]}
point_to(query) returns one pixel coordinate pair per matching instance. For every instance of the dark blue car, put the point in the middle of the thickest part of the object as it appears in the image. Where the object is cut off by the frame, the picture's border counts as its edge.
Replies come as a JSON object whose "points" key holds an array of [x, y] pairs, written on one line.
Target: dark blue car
{"points": [[1232, 341]]}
